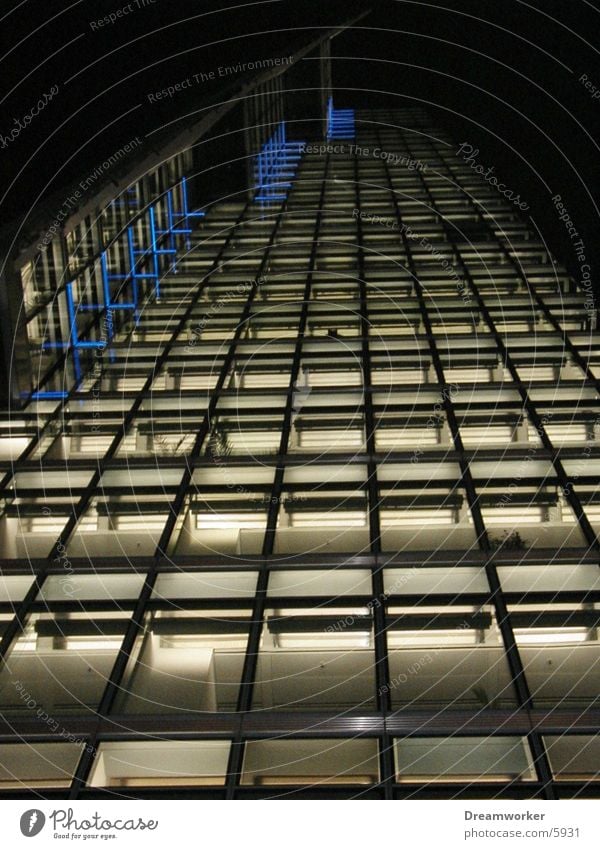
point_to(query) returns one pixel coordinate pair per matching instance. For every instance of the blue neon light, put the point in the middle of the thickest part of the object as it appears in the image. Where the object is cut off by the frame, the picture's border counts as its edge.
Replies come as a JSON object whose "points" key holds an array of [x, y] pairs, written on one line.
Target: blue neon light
{"points": [[340, 122], [275, 166]]}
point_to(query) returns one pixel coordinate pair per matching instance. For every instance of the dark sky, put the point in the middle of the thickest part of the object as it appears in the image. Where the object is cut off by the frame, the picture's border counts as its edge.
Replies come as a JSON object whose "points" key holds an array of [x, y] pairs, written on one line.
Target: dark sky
{"points": [[503, 75]]}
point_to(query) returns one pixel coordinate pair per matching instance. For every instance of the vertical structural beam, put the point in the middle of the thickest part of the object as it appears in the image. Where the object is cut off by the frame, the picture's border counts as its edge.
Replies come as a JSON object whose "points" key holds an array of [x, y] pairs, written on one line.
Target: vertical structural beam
{"points": [[236, 757], [382, 682], [136, 624], [250, 146], [15, 362], [542, 765], [326, 81]]}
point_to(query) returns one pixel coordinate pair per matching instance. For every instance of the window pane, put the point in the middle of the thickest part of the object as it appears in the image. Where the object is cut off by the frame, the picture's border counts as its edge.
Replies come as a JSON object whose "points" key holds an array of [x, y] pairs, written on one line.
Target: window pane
{"points": [[463, 759], [315, 762], [186, 661], [38, 765], [61, 662], [314, 658], [447, 657], [560, 650], [160, 763], [574, 757]]}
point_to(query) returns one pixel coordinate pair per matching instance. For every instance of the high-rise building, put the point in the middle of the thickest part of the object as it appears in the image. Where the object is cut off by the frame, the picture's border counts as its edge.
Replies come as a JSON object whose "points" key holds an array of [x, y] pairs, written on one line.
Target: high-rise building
{"points": [[307, 506]]}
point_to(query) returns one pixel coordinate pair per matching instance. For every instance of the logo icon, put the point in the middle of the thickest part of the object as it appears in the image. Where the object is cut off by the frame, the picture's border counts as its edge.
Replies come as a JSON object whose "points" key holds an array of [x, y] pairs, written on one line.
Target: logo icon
{"points": [[32, 822]]}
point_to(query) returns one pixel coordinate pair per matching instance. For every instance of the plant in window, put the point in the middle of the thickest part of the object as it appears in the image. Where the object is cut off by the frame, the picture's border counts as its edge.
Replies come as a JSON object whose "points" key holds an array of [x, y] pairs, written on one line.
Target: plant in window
{"points": [[510, 541], [218, 445]]}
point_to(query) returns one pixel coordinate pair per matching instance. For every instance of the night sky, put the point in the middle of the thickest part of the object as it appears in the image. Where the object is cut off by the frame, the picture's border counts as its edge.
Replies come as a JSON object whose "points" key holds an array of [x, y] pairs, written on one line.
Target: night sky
{"points": [[505, 76]]}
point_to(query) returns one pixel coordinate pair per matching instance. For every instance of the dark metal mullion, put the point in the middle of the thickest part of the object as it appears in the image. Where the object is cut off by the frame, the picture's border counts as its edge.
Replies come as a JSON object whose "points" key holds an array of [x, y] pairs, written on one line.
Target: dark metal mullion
{"points": [[514, 660], [137, 620], [466, 477], [542, 764], [204, 429], [90, 266], [236, 755], [141, 396], [581, 361], [563, 479], [34, 442], [382, 672], [496, 598]]}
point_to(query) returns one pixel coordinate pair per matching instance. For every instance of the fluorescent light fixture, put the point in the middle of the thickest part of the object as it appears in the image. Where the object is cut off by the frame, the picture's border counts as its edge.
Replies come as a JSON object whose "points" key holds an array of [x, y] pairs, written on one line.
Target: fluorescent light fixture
{"points": [[224, 521], [541, 636], [92, 644]]}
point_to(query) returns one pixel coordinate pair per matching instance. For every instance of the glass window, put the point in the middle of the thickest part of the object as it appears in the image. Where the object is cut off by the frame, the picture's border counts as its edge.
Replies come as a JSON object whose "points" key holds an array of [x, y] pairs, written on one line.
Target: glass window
{"points": [[330, 583], [186, 661], [14, 587], [160, 763], [322, 519], [102, 586], [560, 651], [61, 662], [551, 577], [424, 580], [120, 526], [316, 658], [315, 762], [173, 586], [463, 759], [447, 657], [38, 765], [574, 757]]}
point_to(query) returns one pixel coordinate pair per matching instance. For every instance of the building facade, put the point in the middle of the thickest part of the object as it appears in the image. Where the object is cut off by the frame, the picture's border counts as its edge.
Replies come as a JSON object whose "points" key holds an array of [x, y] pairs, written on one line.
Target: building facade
{"points": [[315, 514]]}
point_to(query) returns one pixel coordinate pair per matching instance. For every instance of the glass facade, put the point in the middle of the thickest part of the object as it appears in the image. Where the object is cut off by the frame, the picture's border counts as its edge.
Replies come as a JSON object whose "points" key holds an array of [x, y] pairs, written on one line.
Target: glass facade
{"points": [[324, 517]]}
